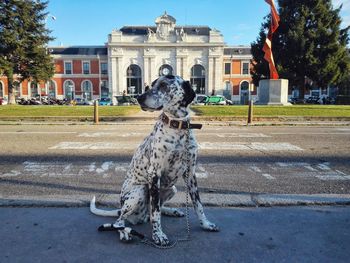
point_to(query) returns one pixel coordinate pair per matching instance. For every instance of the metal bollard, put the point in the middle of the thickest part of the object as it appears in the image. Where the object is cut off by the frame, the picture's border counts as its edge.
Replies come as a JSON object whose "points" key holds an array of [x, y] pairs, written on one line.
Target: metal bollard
{"points": [[96, 119], [250, 112]]}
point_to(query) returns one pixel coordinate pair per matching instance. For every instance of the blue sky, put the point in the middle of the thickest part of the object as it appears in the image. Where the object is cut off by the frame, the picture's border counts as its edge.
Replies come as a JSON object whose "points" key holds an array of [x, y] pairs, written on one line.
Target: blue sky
{"points": [[88, 22]]}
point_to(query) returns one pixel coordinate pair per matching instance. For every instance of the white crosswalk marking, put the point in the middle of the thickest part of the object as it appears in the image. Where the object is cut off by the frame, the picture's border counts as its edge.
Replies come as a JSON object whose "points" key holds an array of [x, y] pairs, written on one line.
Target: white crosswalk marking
{"points": [[269, 177], [249, 146], [254, 146], [242, 135], [271, 171]]}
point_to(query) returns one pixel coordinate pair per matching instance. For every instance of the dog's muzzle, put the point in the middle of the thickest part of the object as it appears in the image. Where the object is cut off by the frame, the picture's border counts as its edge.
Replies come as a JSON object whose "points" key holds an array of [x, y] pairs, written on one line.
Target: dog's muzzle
{"points": [[141, 100]]}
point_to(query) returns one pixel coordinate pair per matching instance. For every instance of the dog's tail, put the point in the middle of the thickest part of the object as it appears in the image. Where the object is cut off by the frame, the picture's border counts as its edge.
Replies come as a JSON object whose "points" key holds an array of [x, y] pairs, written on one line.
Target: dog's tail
{"points": [[101, 212]]}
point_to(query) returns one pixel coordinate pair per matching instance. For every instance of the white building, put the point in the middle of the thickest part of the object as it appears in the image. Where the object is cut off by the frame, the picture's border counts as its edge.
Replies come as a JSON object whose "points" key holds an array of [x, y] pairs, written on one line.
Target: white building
{"points": [[139, 54]]}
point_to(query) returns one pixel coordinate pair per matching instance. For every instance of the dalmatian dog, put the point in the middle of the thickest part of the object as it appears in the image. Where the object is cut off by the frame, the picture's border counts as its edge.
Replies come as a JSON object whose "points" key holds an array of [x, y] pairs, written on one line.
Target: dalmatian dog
{"points": [[158, 162]]}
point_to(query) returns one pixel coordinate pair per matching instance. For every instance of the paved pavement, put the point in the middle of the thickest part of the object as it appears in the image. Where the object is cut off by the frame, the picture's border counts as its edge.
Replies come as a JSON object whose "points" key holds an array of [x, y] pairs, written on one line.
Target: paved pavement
{"points": [[290, 234], [41, 228]]}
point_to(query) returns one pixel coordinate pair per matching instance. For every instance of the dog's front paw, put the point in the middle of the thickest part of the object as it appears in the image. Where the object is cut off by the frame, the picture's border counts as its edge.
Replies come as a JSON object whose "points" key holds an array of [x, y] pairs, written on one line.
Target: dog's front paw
{"points": [[167, 211], [160, 238], [207, 225], [124, 236]]}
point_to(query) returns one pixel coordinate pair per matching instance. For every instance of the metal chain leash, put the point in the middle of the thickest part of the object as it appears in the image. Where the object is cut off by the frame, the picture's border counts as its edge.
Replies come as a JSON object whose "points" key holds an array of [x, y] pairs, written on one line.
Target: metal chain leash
{"points": [[149, 242]]}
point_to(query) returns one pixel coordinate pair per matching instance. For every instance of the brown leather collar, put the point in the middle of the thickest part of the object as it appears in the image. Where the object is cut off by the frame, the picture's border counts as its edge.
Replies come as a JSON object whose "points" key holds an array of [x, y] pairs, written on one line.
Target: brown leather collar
{"points": [[182, 125]]}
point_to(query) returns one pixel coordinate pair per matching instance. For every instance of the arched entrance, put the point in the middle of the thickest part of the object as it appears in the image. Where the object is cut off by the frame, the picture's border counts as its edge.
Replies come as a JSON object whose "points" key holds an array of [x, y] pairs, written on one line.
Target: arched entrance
{"points": [[134, 80], [165, 70], [86, 87], [198, 79], [69, 90], [244, 92]]}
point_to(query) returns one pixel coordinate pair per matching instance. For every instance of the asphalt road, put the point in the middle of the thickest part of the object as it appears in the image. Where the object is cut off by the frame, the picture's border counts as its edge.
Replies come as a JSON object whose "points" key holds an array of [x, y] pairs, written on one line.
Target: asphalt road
{"points": [[73, 160]]}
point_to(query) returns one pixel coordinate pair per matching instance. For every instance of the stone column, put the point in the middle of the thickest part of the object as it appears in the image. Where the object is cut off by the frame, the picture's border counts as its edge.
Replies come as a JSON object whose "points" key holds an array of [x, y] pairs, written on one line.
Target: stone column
{"points": [[121, 81], [153, 70], [185, 70], [145, 72], [210, 81], [112, 78], [179, 66]]}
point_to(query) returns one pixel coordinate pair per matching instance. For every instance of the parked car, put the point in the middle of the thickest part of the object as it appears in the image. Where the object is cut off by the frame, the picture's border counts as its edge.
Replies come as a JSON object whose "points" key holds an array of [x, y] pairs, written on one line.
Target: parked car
{"points": [[200, 99], [105, 102], [218, 100], [126, 100], [295, 100], [3, 101], [79, 101], [313, 100]]}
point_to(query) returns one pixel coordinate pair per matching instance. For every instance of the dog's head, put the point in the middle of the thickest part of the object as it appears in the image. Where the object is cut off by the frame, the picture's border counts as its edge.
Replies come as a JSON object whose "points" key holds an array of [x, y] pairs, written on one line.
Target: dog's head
{"points": [[170, 93]]}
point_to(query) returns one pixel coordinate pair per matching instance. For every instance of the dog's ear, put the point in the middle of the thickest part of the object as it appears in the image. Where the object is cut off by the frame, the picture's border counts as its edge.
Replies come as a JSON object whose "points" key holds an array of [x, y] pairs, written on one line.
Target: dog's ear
{"points": [[189, 93]]}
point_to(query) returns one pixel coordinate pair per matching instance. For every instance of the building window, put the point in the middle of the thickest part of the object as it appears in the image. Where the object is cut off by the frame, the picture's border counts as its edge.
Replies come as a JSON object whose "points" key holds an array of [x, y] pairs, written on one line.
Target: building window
{"points": [[69, 90], [134, 80], [16, 89], [67, 67], [244, 92], [52, 89], [104, 89], [245, 68], [86, 67], [87, 90], [227, 68], [104, 68], [165, 70], [34, 89], [198, 79]]}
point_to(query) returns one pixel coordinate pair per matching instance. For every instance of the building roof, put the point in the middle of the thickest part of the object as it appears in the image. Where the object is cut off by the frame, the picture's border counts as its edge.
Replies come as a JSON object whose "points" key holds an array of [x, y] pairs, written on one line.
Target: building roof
{"points": [[143, 30], [166, 19], [78, 50], [240, 50]]}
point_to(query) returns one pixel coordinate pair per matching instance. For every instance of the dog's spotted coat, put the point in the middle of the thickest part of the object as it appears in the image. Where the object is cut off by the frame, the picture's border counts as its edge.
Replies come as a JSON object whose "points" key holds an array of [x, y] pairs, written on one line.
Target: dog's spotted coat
{"points": [[159, 161]]}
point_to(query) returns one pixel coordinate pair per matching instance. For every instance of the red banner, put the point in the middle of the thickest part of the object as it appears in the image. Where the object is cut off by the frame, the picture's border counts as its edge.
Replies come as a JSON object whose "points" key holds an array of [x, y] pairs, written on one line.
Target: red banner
{"points": [[268, 42]]}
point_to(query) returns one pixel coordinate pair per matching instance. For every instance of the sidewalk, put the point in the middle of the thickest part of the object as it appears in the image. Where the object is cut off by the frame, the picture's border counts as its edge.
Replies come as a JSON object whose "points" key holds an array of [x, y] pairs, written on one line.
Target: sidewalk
{"points": [[143, 117], [288, 234]]}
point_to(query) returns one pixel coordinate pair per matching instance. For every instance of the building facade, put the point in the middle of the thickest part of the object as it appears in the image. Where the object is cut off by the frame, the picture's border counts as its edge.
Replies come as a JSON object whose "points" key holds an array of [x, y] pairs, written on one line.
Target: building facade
{"points": [[134, 56]]}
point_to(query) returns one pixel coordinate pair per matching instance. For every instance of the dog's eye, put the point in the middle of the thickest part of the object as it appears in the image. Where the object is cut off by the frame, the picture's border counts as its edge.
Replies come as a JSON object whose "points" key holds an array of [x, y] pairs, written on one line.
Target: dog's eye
{"points": [[163, 87]]}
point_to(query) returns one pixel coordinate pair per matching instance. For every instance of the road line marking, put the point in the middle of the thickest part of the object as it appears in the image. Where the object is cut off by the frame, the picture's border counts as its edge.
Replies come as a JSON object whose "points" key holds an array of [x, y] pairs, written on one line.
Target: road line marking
{"points": [[275, 146], [292, 164], [24, 132], [341, 172], [242, 135], [105, 134], [249, 146], [255, 169], [92, 146], [269, 177], [203, 146], [309, 167], [13, 173], [324, 166], [313, 133], [202, 173]]}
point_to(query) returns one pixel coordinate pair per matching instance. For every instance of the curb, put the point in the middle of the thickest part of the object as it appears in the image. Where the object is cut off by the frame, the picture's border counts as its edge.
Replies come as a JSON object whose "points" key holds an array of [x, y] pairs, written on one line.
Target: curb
{"points": [[208, 199], [147, 119]]}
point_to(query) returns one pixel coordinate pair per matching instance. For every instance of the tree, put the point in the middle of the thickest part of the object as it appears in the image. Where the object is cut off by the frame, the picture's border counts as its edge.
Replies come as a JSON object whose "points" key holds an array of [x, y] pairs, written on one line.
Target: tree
{"points": [[309, 44], [23, 42]]}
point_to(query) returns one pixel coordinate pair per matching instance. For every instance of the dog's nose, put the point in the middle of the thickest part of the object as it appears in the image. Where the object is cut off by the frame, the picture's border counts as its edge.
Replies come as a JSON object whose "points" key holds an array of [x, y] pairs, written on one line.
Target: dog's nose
{"points": [[141, 98]]}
